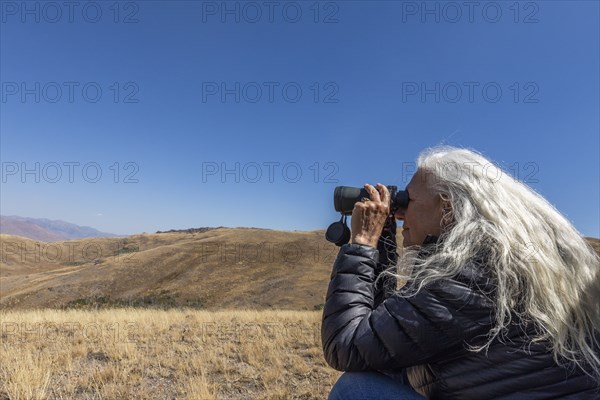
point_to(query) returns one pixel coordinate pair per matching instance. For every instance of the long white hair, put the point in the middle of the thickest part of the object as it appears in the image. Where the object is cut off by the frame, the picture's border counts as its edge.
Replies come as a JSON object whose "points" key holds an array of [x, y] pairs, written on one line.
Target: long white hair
{"points": [[546, 273]]}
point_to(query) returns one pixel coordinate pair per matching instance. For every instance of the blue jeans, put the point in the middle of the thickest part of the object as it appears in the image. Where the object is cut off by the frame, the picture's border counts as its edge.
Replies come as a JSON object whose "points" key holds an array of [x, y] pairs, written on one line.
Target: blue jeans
{"points": [[371, 386]]}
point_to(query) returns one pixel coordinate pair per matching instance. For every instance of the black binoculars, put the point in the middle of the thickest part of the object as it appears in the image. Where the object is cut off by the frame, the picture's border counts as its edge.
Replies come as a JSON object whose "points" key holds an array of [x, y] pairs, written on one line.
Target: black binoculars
{"points": [[344, 199]]}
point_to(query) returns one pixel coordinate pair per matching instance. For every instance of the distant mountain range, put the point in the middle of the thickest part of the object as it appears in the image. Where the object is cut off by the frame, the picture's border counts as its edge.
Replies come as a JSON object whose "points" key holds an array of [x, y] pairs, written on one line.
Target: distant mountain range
{"points": [[47, 230]]}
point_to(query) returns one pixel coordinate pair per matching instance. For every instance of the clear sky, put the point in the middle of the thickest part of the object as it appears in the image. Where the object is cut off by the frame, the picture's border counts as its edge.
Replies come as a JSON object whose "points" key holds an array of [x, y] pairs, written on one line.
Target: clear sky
{"points": [[153, 115]]}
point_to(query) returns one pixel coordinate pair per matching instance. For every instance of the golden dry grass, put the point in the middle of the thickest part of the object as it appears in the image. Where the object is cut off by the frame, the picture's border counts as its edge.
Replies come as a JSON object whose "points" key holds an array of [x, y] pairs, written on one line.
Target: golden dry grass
{"points": [[157, 354]]}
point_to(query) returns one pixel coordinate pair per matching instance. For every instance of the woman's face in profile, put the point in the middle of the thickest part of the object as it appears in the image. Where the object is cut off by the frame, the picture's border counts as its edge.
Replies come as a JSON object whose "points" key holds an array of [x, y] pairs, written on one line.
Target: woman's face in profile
{"points": [[423, 215]]}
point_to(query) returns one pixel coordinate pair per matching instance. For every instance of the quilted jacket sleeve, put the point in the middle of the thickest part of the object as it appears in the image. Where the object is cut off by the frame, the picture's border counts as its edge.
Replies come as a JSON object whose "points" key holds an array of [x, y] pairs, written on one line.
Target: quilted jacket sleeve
{"points": [[386, 248], [399, 332]]}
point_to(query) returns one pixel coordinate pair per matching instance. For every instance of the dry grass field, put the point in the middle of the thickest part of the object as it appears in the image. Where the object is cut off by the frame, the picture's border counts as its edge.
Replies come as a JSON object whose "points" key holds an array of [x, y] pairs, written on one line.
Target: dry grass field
{"points": [[68, 331], [158, 354], [222, 314]]}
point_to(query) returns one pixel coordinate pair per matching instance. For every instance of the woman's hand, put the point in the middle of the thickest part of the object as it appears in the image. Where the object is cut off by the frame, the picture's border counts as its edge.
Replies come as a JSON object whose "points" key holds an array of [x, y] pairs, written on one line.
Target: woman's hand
{"points": [[368, 217]]}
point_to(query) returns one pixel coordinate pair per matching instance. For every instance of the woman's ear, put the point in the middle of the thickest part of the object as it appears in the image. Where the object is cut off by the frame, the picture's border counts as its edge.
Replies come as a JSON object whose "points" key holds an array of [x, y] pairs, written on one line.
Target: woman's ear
{"points": [[446, 207], [447, 214]]}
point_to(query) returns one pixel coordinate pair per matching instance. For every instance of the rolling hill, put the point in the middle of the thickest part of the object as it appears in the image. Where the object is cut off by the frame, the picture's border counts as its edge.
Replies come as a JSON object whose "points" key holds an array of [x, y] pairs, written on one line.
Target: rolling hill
{"points": [[224, 267], [215, 268]]}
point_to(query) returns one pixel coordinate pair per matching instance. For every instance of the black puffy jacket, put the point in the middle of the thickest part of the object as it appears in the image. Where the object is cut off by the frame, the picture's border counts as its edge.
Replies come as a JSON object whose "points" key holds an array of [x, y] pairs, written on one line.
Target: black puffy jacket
{"points": [[426, 335]]}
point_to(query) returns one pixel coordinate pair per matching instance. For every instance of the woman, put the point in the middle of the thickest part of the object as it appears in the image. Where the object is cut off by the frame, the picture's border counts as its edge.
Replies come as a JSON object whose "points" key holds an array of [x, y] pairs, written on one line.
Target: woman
{"points": [[501, 300]]}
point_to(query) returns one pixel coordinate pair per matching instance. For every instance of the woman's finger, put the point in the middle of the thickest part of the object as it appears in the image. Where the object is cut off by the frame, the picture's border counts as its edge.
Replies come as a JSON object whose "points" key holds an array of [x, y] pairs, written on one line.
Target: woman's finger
{"points": [[373, 194], [384, 193]]}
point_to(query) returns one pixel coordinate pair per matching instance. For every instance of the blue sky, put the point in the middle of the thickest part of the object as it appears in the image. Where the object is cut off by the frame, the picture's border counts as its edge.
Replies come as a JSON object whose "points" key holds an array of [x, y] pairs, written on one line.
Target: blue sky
{"points": [[249, 114]]}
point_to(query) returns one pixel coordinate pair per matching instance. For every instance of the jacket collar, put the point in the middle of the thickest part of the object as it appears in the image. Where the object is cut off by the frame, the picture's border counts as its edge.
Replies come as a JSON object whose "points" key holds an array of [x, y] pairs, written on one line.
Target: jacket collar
{"points": [[429, 245], [430, 239]]}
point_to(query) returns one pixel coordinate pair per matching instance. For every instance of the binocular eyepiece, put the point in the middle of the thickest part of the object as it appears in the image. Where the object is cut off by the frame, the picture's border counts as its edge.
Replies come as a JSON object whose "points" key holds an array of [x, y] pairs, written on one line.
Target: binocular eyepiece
{"points": [[344, 199]]}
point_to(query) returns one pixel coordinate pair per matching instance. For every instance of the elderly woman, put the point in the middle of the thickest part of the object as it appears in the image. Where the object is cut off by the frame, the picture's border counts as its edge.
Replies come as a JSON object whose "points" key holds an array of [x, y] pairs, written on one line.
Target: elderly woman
{"points": [[501, 299]]}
